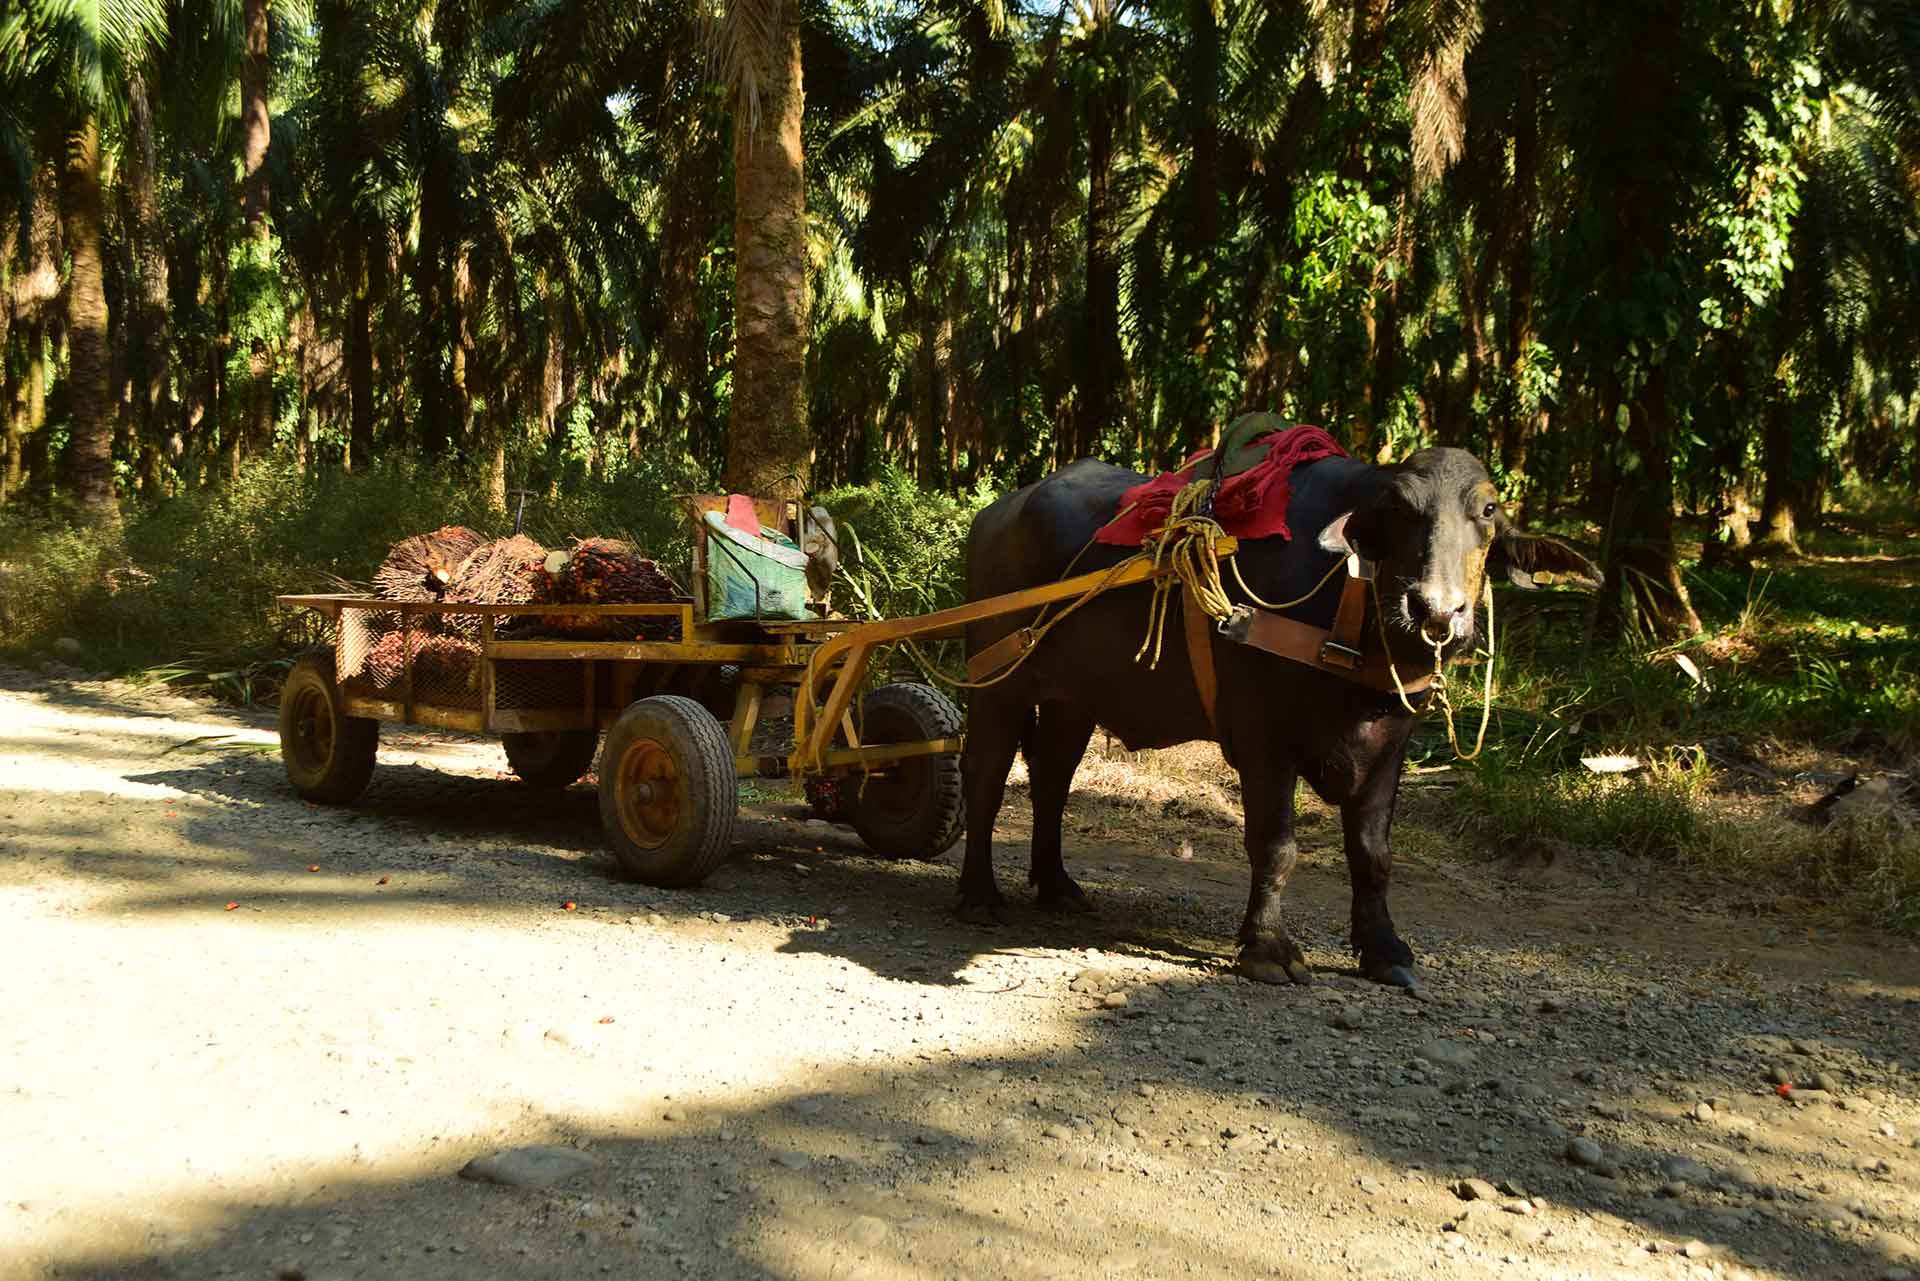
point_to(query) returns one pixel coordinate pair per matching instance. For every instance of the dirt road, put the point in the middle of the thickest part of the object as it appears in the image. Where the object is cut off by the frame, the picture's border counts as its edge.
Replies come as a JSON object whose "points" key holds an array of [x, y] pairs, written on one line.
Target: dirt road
{"points": [[243, 1037]]}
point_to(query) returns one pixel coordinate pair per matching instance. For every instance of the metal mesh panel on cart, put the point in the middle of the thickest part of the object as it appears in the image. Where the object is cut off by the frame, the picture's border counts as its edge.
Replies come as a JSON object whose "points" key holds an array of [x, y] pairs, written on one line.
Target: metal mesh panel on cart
{"points": [[357, 633], [375, 653], [537, 684]]}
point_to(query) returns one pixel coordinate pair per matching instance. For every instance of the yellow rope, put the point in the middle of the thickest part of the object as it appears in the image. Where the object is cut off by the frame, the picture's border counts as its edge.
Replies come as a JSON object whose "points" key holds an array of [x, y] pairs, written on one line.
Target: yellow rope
{"points": [[1439, 685], [1038, 631]]}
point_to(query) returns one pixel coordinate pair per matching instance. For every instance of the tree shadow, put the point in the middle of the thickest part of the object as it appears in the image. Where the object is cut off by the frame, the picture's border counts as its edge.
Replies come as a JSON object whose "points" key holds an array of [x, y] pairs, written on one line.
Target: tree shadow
{"points": [[1102, 1158]]}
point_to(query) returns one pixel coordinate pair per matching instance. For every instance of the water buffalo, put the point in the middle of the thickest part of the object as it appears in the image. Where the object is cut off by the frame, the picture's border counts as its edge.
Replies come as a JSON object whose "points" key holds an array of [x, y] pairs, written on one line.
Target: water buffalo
{"points": [[1431, 524]]}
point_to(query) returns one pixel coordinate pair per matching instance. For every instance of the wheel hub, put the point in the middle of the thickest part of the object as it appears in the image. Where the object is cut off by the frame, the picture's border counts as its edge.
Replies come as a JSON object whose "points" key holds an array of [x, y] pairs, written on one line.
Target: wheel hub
{"points": [[649, 795], [315, 728]]}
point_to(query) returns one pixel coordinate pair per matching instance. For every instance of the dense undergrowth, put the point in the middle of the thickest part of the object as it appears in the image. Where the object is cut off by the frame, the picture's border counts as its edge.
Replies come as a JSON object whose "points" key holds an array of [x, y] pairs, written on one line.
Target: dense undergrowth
{"points": [[1805, 659]]}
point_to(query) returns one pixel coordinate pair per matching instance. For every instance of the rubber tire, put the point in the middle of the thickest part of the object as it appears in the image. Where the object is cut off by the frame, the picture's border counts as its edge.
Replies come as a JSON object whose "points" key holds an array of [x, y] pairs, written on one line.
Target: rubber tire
{"points": [[707, 790], [916, 810], [334, 772], [551, 758]]}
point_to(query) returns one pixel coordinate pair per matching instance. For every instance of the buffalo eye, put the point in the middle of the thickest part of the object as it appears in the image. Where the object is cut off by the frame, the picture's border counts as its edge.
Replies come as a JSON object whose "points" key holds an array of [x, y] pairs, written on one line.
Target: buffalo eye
{"points": [[1489, 510]]}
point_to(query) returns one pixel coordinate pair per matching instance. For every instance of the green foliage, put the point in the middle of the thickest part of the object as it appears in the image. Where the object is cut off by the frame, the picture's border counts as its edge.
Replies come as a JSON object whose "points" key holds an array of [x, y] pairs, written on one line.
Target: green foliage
{"points": [[903, 549], [195, 597], [1652, 814], [1678, 814]]}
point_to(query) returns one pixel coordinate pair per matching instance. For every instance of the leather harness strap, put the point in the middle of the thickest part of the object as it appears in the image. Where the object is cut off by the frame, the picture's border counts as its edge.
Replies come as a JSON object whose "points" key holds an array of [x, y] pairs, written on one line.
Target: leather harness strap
{"points": [[1338, 652], [1318, 648], [1344, 644], [1000, 655], [1200, 655]]}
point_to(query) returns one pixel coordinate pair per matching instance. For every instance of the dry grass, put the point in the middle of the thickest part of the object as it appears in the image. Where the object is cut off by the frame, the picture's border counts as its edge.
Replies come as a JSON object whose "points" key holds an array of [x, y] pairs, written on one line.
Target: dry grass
{"points": [[1191, 781], [1722, 835]]}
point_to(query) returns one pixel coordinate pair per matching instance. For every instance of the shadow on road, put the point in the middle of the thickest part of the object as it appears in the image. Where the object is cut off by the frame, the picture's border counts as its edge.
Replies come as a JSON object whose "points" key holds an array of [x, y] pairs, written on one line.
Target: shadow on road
{"points": [[1197, 1125]]}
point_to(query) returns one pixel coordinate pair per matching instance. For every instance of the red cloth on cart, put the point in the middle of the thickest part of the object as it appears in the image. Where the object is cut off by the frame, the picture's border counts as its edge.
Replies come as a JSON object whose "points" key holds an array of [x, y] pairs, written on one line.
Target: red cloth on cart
{"points": [[1252, 504], [741, 515]]}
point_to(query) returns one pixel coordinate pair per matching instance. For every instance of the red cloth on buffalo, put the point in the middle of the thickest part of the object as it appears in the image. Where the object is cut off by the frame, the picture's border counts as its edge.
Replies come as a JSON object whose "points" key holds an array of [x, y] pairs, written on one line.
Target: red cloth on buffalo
{"points": [[1252, 504]]}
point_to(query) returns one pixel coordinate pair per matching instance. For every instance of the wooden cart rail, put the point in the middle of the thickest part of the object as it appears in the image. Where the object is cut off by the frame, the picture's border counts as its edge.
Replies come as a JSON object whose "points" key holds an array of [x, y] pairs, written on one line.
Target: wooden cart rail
{"points": [[827, 659], [768, 656], [332, 602]]}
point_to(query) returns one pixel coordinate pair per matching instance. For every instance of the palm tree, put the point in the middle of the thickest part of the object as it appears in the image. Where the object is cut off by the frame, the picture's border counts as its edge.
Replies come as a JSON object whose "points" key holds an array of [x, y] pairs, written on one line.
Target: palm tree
{"points": [[756, 44], [91, 52]]}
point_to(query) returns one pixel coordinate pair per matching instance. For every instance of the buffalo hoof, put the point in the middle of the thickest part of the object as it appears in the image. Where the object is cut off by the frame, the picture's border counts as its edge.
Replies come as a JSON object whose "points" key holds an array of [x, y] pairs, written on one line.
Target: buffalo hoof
{"points": [[1391, 974], [1068, 899], [991, 913], [1264, 969]]}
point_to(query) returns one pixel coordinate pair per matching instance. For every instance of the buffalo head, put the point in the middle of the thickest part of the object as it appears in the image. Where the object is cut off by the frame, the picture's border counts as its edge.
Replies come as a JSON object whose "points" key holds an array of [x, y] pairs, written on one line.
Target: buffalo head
{"points": [[1433, 530]]}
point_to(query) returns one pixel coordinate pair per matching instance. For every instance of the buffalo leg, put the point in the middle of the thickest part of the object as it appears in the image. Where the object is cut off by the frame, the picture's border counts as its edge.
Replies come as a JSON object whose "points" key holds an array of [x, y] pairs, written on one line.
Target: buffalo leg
{"points": [[994, 730], [1267, 953], [1367, 818], [1055, 741]]}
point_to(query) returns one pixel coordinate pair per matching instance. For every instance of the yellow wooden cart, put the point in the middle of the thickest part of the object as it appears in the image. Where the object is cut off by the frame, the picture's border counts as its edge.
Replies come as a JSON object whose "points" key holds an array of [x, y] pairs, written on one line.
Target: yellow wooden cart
{"points": [[677, 701]]}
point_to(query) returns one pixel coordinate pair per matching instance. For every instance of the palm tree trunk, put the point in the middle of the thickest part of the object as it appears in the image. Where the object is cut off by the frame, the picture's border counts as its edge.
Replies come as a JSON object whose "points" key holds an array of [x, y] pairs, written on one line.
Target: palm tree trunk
{"points": [[1517, 423], [685, 235], [1379, 316], [1784, 486], [1103, 362], [1203, 77], [769, 446], [360, 367], [1644, 589], [256, 132], [32, 296], [926, 400], [1456, 418], [1784, 496], [90, 451], [152, 412], [256, 128], [30, 414]]}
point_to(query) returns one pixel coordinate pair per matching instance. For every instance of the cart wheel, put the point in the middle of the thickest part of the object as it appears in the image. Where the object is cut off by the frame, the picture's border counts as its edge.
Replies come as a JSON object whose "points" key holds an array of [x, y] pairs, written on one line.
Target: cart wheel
{"points": [[911, 809], [328, 754], [668, 792], [551, 758]]}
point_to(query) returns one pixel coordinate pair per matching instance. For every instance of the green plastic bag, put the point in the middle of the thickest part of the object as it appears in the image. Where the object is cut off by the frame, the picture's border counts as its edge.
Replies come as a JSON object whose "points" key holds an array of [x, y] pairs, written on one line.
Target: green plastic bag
{"points": [[749, 577]]}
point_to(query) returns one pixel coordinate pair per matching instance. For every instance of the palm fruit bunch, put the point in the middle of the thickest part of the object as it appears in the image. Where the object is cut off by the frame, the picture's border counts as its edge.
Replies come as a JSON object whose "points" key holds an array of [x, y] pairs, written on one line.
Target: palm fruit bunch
{"points": [[506, 571], [607, 571], [421, 568], [443, 666]]}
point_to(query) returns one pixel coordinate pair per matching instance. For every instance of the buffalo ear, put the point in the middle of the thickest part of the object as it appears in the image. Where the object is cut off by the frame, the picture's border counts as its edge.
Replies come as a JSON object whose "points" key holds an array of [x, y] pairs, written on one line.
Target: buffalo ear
{"points": [[1334, 537], [1354, 533], [1532, 560]]}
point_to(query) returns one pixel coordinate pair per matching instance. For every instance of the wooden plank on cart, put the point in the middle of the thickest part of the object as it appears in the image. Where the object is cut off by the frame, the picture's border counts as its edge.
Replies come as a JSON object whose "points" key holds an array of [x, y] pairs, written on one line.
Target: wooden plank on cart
{"points": [[471, 720], [647, 651], [812, 627], [328, 605]]}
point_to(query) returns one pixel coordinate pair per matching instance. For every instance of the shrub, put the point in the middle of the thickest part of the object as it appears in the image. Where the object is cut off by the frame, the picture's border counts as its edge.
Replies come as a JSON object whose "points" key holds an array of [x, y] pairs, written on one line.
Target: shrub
{"points": [[903, 548]]}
